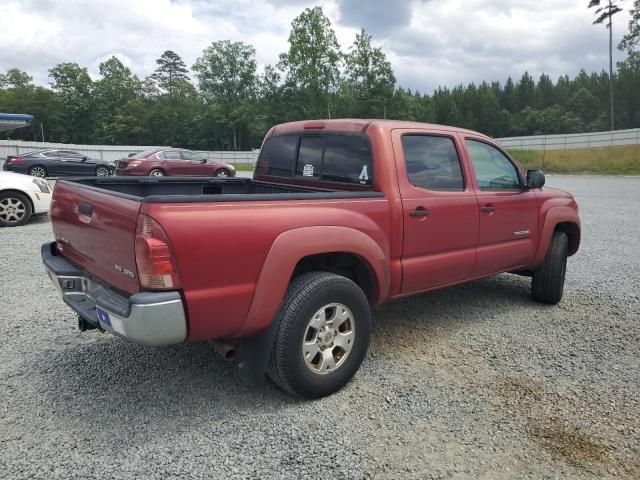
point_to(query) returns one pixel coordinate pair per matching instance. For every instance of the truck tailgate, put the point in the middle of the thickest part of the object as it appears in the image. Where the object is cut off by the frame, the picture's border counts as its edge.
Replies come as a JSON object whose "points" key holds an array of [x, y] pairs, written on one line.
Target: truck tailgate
{"points": [[96, 231]]}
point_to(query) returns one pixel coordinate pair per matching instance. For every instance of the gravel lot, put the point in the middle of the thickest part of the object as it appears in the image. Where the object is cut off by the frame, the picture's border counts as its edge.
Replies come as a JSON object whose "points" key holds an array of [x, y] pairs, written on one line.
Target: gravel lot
{"points": [[475, 381]]}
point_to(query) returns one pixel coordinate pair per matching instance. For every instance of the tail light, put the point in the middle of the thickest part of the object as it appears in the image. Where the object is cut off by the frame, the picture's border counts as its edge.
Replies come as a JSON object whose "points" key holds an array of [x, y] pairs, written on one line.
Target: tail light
{"points": [[15, 160], [157, 268], [133, 163]]}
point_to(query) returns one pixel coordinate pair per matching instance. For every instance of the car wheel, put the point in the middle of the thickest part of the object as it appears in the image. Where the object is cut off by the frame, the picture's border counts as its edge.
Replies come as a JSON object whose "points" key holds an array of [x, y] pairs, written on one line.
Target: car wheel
{"points": [[156, 172], [38, 171], [547, 283], [223, 172], [103, 172], [323, 335], [15, 209]]}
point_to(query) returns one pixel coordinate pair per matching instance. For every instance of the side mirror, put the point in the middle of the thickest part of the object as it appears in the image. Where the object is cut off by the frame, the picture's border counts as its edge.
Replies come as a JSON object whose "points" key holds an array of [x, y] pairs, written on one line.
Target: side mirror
{"points": [[535, 179], [204, 160], [84, 159]]}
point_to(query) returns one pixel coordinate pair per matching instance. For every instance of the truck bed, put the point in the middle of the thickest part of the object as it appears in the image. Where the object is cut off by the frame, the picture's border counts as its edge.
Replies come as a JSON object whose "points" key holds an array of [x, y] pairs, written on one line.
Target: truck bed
{"points": [[199, 189]]}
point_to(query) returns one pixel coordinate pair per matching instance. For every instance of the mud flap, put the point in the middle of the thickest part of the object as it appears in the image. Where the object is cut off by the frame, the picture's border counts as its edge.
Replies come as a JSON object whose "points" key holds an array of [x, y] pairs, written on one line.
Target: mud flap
{"points": [[253, 355]]}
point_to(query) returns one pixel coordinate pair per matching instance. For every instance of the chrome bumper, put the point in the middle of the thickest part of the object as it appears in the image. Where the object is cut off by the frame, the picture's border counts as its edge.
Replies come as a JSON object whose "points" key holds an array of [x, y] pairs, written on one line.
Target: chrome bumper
{"points": [[148, 318]]}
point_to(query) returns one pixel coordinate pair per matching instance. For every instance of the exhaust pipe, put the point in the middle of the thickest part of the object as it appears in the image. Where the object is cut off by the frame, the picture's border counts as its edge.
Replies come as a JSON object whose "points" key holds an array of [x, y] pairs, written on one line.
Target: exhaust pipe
{"points": [[83, 325], [224, 349]]}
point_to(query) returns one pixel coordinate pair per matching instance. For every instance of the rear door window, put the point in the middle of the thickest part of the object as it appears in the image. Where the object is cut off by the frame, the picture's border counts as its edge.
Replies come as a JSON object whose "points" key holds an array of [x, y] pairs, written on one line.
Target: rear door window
{"points": [[172, 155], [432, 162]]}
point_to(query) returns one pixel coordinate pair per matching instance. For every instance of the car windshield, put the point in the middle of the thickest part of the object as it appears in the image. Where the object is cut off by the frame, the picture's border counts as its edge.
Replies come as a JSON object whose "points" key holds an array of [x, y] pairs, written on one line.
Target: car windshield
{"points": [[144, 154]]}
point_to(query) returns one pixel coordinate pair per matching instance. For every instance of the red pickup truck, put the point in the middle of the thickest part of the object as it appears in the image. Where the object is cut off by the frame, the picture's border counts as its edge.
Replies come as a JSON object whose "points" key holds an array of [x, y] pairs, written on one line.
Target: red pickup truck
{"points": [[283, 268]]}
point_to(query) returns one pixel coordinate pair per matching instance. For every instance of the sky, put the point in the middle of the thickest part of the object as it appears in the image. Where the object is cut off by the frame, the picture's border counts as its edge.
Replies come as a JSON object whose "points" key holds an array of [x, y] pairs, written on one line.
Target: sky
{"points": [[429, 43]]}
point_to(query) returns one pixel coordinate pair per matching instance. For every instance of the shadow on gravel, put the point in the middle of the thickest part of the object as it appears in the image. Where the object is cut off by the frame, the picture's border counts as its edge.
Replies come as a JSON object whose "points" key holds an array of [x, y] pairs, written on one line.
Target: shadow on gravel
{"points": [[110, 376], [119, 382], [428, 316]]}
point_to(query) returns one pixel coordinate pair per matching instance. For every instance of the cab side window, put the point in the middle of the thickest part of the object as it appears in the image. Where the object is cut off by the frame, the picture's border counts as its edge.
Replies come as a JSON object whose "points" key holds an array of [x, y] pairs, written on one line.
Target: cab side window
{"points": [[432, 162], [494, 170]]}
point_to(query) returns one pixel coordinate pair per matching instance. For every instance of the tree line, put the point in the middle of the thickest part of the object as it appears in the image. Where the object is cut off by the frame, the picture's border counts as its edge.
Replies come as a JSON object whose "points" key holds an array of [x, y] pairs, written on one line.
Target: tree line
{"points": [[224, 103]]}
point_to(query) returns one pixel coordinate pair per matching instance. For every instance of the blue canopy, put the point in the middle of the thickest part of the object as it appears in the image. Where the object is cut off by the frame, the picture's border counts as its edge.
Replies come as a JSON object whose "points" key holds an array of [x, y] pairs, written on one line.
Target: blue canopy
{"points": [[9, 121]]}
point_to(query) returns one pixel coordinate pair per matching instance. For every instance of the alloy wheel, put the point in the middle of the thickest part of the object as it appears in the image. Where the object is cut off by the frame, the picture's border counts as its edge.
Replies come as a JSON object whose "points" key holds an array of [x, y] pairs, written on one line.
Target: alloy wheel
{"points": [[39, 172], [329, 338], [12, 210]]}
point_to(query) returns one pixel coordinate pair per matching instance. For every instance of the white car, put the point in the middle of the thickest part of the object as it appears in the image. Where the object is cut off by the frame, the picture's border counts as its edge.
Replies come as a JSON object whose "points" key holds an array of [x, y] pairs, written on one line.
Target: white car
{"points": [[21, 197]]}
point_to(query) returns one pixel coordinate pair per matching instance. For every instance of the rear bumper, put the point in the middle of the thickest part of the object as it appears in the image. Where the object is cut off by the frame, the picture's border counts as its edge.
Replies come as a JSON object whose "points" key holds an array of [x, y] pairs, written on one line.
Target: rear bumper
{"points": [[148, 318]]}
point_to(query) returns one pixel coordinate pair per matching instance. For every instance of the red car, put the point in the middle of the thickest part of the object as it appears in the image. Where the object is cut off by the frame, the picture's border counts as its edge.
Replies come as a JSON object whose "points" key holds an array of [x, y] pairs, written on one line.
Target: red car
{"points": [[160, 162], [283, 269]]}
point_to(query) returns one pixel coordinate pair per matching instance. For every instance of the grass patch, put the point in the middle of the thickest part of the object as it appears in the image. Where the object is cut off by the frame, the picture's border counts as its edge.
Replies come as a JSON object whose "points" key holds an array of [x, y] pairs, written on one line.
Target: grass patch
{"points": [[243, 167], [606, 161]]}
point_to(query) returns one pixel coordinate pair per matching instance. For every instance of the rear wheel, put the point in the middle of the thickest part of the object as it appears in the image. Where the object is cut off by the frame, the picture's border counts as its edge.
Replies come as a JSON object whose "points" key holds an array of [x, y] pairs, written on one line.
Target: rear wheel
{"points": [[223, 172], [547, 283], [38, 171], [15, 209], [103, 172], [323, 334], [156, 172]]}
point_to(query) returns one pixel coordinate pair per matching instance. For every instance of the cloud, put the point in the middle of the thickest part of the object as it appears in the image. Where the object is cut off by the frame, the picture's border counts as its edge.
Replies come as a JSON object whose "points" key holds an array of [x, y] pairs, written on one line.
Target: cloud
{"points": [[378, 17], [429, 43]]}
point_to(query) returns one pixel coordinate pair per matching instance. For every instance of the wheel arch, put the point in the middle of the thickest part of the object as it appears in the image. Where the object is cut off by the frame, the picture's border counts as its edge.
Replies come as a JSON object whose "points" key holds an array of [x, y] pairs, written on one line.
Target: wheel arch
{"points": [[564, 219], [340, 250]]}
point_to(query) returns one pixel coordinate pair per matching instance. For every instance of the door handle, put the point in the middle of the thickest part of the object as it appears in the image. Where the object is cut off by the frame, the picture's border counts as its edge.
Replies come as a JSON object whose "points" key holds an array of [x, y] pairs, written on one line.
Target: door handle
{"points": [[420, 212], [488, 208]]}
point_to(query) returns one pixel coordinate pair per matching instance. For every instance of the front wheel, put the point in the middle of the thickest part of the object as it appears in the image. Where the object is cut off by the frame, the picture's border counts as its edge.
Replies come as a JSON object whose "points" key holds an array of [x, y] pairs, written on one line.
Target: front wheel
{"points": [[547, 283], [156, 172], [15, 209], [323, 335], [223, 172]]}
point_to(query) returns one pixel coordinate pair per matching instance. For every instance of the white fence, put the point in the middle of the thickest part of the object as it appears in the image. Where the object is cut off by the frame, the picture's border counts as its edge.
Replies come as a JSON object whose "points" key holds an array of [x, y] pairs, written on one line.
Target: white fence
{"points": [[110, 152], [539, 142], [575, 140]]}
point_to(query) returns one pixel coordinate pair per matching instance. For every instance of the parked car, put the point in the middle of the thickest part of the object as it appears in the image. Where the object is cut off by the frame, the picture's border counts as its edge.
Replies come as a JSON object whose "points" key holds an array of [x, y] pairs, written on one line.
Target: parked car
{"points": [[57, 163], [160, 162], [22, 197], [340, 215]]}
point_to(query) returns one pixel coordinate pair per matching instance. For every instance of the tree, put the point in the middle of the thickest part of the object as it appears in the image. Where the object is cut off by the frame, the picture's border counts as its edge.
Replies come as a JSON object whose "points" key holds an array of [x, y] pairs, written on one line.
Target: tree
{"points": [[16, 78], [369, 75], [525, 91], [74, 87], [603, 13], [226, 74], [631, 40], [117, 87], [311, 65], [171, 72]]}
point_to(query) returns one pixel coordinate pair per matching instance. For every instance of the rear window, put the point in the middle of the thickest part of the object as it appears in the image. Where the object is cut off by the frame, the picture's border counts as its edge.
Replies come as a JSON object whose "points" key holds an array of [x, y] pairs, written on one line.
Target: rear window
{"points": [[329, 158], [144, 154]]}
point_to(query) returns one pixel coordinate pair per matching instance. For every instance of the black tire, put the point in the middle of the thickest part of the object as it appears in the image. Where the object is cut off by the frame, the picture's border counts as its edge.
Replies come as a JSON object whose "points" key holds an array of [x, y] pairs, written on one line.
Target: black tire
{"points": [[156, 172], [223, 172], [547, 283], [38, 171], [305, 296], [15, 209], [102, 171]]}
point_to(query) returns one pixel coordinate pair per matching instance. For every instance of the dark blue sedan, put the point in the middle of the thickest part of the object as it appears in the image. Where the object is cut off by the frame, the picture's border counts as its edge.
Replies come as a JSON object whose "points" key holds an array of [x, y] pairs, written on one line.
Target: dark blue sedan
{"points": [[57, 163]]}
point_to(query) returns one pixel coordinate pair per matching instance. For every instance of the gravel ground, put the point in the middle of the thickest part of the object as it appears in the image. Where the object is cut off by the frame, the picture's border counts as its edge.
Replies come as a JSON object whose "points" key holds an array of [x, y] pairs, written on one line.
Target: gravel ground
{"points": [[476, 381]]}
